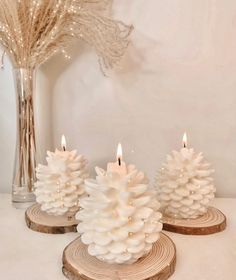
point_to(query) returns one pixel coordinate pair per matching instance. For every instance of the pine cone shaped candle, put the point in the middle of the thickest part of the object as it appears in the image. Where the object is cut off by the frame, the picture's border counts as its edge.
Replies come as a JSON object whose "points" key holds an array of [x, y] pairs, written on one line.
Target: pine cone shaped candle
{"points": [[119, 220], [184, 184], [61, 182]]}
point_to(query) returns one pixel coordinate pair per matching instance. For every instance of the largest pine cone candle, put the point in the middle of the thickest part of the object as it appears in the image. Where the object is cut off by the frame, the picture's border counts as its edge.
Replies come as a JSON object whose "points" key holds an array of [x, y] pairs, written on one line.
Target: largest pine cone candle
{"points": [[119, 218], [184, 184]]}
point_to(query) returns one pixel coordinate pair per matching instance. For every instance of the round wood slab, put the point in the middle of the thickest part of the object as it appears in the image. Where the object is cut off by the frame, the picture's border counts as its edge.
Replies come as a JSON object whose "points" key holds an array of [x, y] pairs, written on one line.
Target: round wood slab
{"points": [[159, 264], [38, 220], [211, 222]]}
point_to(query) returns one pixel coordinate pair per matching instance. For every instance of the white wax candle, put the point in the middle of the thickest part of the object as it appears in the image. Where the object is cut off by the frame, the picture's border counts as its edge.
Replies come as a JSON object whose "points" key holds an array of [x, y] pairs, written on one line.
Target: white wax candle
{"points": [[185, 151], [119, 166], [61, 182], [116, 168], [63, 152], [184, 185]]}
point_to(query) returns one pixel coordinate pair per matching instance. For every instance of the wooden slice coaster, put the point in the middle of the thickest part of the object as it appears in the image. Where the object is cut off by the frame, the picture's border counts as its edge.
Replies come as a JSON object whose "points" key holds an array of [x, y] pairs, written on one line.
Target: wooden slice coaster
{"points": [[38, 220], [211, 222], [159, 264]]}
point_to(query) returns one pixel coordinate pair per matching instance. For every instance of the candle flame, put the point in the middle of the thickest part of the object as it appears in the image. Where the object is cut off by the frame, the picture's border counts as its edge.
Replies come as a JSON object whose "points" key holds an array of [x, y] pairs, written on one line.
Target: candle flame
{"points": [[63, 142], [185, 140], [119, 154]]}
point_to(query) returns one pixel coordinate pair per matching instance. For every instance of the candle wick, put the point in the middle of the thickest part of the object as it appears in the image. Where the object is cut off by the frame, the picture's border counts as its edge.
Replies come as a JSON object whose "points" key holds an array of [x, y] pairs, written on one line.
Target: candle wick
{"points": [[185, 146], [64, 148], [119, 161]]}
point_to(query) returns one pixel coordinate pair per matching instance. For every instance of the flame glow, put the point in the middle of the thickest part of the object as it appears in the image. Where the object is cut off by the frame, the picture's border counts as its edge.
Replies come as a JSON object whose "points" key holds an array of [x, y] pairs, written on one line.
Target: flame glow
{"points": [[119, 153], [63, 142], [185, 140]]}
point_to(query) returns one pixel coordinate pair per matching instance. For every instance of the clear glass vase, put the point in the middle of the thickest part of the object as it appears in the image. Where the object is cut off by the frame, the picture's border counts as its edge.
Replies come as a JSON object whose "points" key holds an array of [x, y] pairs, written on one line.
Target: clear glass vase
{"points": [[25, 154]]}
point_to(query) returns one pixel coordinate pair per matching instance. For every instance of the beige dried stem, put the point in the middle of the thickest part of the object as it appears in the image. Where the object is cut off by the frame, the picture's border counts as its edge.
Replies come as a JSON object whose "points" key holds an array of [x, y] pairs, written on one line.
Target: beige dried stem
{"points": [[31, 31]]}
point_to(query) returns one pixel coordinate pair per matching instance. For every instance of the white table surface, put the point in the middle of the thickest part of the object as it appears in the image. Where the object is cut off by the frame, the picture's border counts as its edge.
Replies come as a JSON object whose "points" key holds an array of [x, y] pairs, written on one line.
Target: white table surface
{"points": [[29, 255]]}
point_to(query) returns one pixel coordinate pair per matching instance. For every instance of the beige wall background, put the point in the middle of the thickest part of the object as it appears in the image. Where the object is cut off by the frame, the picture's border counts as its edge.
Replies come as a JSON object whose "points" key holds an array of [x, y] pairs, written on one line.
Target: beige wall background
{"points": [[178, 75]]}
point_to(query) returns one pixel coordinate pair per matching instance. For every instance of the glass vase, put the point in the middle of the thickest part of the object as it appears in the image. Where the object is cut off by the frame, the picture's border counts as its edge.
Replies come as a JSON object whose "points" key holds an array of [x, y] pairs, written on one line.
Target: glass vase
{"points": [[25, 154]]}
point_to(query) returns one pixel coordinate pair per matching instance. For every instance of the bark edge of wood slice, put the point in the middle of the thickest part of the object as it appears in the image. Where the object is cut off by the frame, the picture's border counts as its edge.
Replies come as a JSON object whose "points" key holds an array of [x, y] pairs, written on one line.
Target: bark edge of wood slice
{"points": [[159, 264], [40, 221], [212, 222]]}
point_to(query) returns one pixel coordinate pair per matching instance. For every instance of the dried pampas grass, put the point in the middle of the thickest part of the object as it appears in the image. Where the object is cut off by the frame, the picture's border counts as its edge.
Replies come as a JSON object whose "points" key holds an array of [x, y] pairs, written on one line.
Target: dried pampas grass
{"points": [[31, 31]]}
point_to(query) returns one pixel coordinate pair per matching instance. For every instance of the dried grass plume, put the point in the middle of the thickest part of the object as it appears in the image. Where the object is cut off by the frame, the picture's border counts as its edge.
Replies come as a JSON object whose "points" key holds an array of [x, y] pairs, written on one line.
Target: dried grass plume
{"points": [[31, 31]]}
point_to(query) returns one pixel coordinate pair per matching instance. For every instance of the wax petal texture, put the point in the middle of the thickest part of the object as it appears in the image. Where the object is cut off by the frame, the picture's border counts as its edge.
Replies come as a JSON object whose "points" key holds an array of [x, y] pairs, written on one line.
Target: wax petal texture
{"points": [[60, 183], [184, 185], [119, 220]]}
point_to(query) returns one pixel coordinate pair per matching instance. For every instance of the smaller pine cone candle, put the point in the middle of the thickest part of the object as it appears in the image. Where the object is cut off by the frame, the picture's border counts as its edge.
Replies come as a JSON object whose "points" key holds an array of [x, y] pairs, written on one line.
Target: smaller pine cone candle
{"points": [[184, 184], [119, 220], [60, 183]]}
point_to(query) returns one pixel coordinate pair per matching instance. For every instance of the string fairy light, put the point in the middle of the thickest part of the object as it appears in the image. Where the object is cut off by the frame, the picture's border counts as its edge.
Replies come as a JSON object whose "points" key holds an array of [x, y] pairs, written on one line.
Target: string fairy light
{"points": [[32, 31]]}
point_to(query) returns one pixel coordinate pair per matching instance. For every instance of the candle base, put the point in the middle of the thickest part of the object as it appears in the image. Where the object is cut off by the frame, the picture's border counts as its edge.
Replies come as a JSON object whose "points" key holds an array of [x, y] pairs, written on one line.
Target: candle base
{"points": [[40, 221], [159, 264], [212, 222]]}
